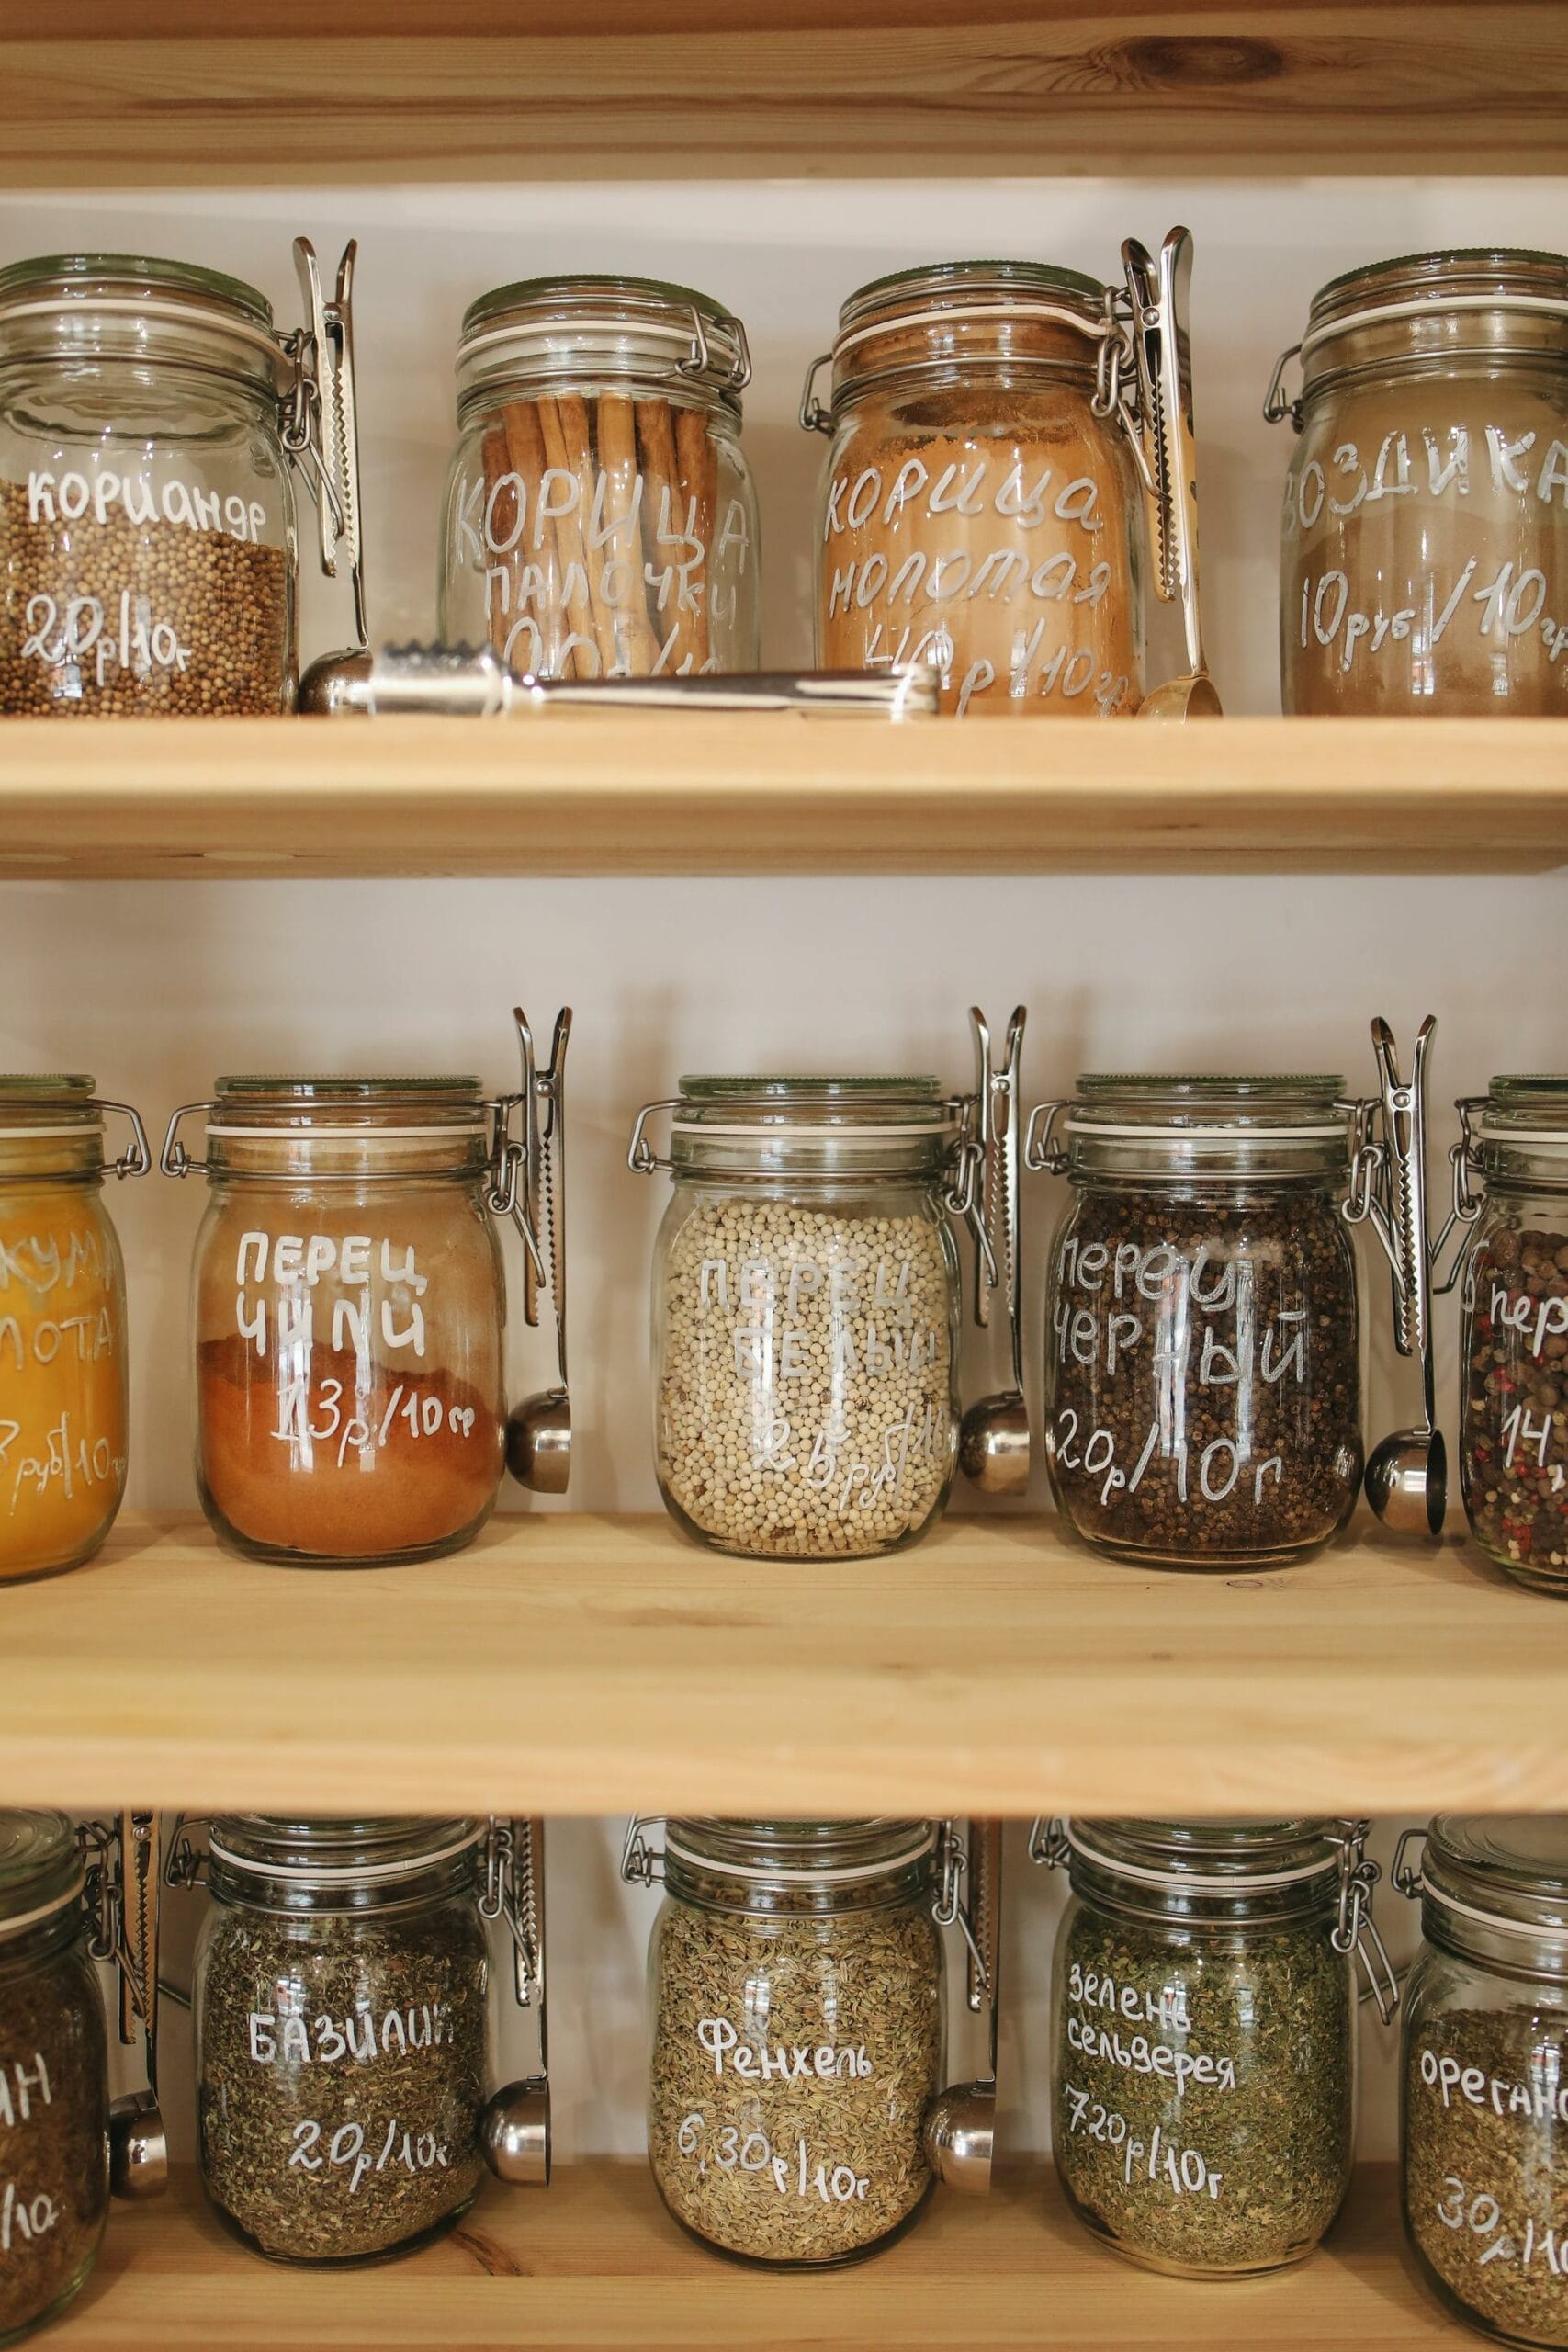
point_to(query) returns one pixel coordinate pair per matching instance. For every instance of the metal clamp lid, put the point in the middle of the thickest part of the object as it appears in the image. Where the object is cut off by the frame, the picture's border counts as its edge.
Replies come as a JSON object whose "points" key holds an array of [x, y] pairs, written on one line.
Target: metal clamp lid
{"points": [[539, 1437], [959, 2128], [320, 428], [122, 1898], [1407, 1477], [993, 1441], [514, 2129]]}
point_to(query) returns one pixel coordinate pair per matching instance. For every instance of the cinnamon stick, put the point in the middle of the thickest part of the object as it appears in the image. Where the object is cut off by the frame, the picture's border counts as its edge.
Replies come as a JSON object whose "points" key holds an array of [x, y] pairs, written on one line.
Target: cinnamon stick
{"points": [[697, 462], [537, 546], [564, 423], [635, 637], [660, 500], [492, 460]]}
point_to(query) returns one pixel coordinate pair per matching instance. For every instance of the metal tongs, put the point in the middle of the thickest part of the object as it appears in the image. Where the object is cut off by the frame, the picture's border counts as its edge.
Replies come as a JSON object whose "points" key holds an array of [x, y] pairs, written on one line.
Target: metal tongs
{"points": [[322, 435], [538, 1431], [1408, 1472], [1165, 443], [994, 1436]]}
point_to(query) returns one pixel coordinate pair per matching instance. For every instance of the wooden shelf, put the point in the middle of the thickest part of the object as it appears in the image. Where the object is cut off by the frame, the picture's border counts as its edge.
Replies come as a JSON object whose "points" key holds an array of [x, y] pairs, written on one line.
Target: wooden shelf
{"points": [[573, 1663], [776, 793], [594, 2262], [284, 90]]}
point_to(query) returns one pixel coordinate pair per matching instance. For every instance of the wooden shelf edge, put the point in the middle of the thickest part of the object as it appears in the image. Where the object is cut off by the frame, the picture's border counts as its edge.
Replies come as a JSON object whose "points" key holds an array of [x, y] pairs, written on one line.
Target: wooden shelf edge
{"points": [[712, 795], [574, 1663], [724, 88], [594, 2262]]}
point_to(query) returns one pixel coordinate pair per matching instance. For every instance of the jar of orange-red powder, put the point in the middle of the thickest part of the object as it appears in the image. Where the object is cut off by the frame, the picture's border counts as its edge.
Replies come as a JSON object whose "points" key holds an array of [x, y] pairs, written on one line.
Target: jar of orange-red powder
{"points": [[64, 1421], [350, 1302]]}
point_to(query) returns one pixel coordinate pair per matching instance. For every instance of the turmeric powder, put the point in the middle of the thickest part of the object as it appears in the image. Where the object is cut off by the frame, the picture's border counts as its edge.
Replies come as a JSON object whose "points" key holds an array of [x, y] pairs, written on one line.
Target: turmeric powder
{"points": [[62, 1375]]}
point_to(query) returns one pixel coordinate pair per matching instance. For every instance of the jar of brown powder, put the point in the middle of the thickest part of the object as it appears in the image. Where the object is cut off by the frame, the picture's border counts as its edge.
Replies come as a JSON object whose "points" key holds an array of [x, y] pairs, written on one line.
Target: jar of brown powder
{"points": [[996, 429], [1426, 525], [350, 1308]]}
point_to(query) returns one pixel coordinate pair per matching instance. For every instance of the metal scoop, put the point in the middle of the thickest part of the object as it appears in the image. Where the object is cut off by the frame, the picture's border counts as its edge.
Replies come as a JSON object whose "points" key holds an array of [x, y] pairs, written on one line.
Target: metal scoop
{"points": [[514, 2124], [994, 1436], [1408, 1472], [127, 1888], [538, 1431], [960, 2126]]}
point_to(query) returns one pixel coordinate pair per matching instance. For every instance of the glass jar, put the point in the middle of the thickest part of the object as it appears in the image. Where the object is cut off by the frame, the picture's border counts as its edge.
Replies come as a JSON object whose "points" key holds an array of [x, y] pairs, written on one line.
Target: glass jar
{"points": [[1203, 1350], [350, 1309], [805, 1312], [1484, 2131], [796, 2118], [341, 2026], [995, 428], [1203, 2034], [149, 410], [54, 2092], [1426, 525], [601, 521], [1512, 1440], [63, 1403]]}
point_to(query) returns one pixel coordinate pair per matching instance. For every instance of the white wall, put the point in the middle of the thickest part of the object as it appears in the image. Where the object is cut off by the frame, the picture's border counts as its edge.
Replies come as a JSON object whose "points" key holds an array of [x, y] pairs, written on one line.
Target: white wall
{"points": [[157, 986]]}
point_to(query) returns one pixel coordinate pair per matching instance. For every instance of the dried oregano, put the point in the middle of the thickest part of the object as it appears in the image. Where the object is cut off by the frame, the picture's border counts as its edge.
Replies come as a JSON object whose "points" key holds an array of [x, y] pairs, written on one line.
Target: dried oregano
{"points": [[1486, 2164], [793, 2062], [341, 2070], [1203, 2117]]}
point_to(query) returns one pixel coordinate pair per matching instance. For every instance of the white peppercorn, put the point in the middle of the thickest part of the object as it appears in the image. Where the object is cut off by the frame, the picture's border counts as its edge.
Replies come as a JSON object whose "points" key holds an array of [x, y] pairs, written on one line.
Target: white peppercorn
{"points": [[805, 1399]]}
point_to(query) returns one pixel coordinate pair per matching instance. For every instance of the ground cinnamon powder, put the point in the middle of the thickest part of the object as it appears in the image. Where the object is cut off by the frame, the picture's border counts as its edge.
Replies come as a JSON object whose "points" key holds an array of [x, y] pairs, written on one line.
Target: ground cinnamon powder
{"points": [[423, 1477]]}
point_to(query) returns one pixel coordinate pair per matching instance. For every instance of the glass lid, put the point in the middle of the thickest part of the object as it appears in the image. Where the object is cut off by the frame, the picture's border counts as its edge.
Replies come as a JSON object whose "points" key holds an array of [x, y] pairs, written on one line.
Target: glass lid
{"points": [[52, 1098], [547, 328], [41, 1868], [938, 284], [713, 1101], [837, 1852], [273, 1100], [1510, 1869], [89, 277], [1211, 1855], [1517, 1102], [322, 1850]]}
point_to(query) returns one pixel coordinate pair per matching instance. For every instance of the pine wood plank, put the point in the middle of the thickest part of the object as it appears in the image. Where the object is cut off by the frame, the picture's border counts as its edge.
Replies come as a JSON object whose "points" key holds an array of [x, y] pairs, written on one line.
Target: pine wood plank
{"points": [[184, 94], [576, 1664], [594, 2265], [776, 793]]}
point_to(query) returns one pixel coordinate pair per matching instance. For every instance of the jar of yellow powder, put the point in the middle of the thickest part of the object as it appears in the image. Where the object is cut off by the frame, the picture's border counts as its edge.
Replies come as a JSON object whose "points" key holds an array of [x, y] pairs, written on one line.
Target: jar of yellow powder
{"points": [[63, 1366]]}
